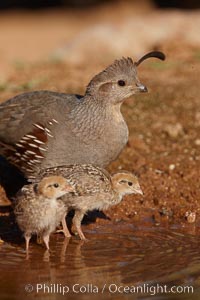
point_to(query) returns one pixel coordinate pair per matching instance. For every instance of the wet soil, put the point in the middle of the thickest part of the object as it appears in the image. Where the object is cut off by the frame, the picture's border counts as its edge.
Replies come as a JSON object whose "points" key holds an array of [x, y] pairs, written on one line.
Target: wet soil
{"points": [[150, 239]]}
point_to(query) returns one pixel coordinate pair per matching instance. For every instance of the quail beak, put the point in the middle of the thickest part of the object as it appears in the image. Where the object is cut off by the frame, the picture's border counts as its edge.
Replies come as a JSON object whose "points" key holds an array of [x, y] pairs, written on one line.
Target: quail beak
{"points": [[69, 188], [141, 88], [138, 190]]}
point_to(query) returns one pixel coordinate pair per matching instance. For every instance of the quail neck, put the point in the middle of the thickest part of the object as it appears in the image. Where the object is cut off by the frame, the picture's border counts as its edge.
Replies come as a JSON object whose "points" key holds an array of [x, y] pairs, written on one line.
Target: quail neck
{"points": [[98, 126], [98, 129]]}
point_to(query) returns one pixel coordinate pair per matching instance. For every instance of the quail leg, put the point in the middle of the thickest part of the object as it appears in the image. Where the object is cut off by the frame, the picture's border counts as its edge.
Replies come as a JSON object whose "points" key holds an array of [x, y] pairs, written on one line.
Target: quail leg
{"points": [[78, 217], [27, 238], [46, 240], [65, 229]]}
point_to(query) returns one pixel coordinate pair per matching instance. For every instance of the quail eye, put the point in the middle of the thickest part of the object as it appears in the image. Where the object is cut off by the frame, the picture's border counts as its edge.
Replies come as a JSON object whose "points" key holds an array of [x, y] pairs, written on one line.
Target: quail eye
{"points": [[121, 83], [56, 185], [130, 183]]}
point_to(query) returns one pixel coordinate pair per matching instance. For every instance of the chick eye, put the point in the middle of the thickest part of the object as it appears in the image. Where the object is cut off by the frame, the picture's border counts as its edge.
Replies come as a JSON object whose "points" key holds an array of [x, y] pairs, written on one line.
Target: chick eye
{"points": [[121, 83], [130, 183], [56, 185]]}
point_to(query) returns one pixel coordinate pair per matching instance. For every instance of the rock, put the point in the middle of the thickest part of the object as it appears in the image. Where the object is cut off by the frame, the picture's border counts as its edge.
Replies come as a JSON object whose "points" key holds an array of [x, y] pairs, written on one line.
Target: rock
{"points": [[174, 130], [190, 216], [172, 167], [197, 142]]}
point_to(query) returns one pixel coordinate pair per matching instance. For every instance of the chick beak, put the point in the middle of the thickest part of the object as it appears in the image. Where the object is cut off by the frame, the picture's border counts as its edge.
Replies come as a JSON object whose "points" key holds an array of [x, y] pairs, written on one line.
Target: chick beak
{"points": [[138, 190], [69, 188], [142, 88]]}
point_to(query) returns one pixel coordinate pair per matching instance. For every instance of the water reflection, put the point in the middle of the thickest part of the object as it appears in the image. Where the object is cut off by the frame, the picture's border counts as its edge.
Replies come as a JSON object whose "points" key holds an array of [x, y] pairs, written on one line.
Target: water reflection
{"points": [[124, 255]]}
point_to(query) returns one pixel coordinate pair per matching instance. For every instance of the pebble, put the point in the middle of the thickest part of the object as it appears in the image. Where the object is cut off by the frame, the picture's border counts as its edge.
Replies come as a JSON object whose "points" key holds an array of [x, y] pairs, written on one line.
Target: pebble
{"points": [[190, 216], [197, 142], [174, 130], [172, 167]]}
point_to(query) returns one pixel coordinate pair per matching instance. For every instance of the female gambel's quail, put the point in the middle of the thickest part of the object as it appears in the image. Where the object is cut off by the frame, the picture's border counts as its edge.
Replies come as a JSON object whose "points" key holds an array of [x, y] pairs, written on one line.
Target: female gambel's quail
{"points": [[46, 129], [94, 189], [38, 209]]}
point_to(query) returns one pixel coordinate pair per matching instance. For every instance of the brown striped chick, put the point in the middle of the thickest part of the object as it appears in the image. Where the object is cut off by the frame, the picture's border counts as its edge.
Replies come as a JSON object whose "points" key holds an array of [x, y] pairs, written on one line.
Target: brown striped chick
{"points": [[38, 210], [94, 189]]}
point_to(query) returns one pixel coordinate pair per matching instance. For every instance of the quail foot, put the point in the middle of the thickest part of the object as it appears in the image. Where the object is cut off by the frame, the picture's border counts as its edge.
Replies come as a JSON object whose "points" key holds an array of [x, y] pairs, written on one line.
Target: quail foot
{"points": [[37, 208], [94, 189], [44, 129]]}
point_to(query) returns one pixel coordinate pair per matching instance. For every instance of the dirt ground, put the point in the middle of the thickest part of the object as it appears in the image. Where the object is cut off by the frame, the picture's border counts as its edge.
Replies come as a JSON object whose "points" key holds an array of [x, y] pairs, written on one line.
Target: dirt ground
{"points": [[164, 142]]}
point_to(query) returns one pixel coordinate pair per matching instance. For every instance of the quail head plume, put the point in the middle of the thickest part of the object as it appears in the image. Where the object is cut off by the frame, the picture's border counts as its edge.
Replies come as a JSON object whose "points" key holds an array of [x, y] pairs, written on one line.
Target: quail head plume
{"points": [[44, 129], [37, 209], [94, 188]]}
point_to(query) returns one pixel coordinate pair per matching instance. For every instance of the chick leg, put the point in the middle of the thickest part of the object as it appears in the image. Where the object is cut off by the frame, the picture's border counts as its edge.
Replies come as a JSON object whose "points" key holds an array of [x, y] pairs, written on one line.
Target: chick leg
{"points": [[27, 238], [65, 229], [46, 240], [78, 217]]}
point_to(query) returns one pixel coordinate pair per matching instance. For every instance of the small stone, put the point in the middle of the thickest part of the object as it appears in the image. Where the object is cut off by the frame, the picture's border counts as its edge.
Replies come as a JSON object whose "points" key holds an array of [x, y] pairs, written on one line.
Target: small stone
{"points": [[172, 167], [197, 142], [174, 130], [190, 216]]}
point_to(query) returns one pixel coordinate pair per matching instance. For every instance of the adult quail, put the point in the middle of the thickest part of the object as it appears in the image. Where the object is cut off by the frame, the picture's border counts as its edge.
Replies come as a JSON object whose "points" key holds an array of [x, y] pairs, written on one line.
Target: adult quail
{"points": [[38, 209], [94, 188], [44, 129]]}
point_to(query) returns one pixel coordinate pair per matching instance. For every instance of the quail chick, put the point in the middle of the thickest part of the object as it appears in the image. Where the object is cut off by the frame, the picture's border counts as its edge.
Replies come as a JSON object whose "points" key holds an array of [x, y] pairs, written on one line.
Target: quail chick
{"points": [[38, 210], [94, 189], [44, 129]]}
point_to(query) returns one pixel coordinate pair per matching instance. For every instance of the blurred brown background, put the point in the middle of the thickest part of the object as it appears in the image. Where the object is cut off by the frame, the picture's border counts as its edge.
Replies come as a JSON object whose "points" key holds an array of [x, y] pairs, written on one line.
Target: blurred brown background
{"points": [[95, 31]]}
